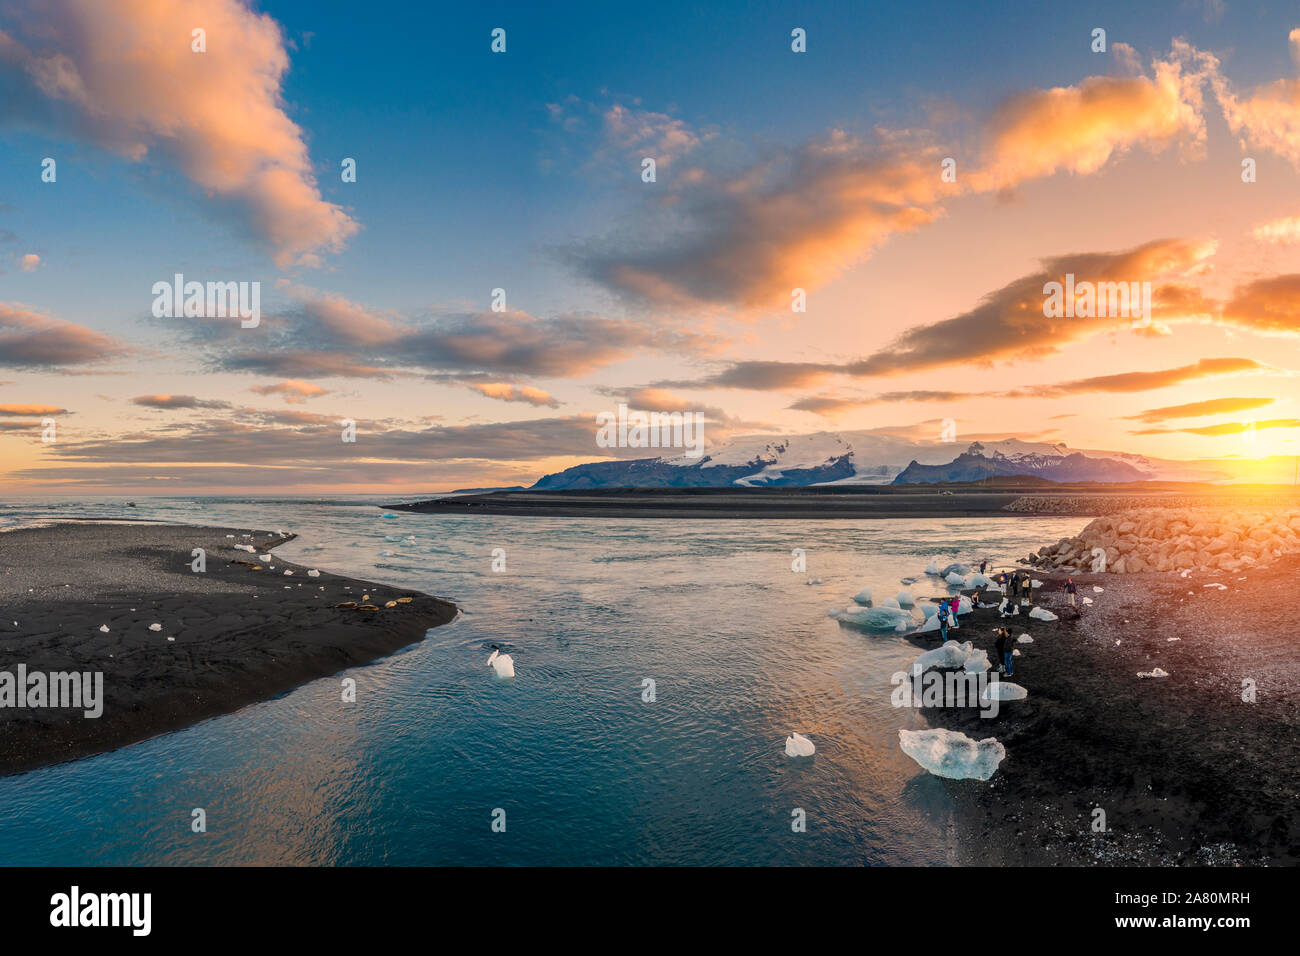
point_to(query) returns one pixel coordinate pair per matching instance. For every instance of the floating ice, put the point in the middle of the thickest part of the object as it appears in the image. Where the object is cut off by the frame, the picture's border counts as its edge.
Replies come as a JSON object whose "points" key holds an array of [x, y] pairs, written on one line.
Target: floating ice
{"points": [[905, 598], [863, 596], [955, 579], [929, 610], [876, 618], [385, 554], [797, 745], [1155, 672], [946, 753], [390, 516], [911, 579], [933, 567], [956, 568], [503, 665], [1004, 690], [814, 581], [1042, 614], [890, 602], [977, 580]]}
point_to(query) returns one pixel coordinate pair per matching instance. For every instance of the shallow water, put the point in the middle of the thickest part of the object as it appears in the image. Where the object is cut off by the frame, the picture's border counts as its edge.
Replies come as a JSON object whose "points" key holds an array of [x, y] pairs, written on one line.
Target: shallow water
{"points": [[739, 647]]}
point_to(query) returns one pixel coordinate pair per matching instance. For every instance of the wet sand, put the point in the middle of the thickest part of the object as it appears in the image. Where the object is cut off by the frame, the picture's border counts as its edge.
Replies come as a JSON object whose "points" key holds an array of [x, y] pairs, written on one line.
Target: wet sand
{"points": [[1185, 770], [240, 633]]}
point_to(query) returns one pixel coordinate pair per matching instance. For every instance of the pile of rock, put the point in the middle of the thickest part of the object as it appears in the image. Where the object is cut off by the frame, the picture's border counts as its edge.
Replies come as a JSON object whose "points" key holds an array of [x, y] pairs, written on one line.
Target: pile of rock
{"points": [[1167, 539]]}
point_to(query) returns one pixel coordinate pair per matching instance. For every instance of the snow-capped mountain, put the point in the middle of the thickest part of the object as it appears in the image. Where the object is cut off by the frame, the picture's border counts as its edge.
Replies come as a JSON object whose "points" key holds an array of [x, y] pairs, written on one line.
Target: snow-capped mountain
{"points": [[865, 457]]}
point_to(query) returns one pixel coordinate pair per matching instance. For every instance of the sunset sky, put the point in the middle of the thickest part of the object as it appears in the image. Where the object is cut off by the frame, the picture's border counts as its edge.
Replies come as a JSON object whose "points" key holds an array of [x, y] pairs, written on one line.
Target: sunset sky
{"points": [[521, 170]]}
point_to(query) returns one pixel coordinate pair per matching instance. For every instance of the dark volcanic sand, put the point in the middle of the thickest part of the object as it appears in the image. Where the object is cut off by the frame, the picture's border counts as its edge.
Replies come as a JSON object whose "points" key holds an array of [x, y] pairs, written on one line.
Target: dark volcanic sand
{"points": [[240, 636], [1186, 772]]}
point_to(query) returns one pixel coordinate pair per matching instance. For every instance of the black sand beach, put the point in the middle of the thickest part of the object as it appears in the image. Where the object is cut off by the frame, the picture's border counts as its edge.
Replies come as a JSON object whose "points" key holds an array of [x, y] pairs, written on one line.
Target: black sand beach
{"points": [[1185, 770], [241, 632]]}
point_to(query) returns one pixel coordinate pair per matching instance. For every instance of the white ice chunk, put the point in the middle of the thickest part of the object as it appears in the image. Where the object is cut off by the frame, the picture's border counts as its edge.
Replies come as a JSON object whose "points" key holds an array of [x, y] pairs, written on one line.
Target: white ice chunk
{"points": [[863, 596], [890, 602], [905, 598], [875, 618], [946, 753], [929, 610], [1155, 672], [955, 579], [1024, 639], [1004, 690], [950, 655], [155, 627], [1042, 614], [797, 745], [313, 573]]}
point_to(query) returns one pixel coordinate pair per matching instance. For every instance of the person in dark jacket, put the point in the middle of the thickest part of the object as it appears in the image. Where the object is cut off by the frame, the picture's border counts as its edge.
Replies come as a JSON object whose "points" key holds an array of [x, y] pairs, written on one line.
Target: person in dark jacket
{"points": [[1003, 647], [1070, 591], [943, 621]]}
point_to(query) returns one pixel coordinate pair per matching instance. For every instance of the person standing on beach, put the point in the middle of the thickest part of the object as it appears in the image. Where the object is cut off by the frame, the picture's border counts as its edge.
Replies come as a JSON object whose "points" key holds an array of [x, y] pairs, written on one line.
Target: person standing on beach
{"points": [[1001, 646], [984, 564], [1008, 653], [943, 621], [1013, 593], [1070, 591]]}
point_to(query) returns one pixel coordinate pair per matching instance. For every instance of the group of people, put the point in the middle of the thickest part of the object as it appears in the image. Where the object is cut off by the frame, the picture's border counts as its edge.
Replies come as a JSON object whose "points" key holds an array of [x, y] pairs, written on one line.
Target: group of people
{"points": [[1019, 589], [948, 616]]}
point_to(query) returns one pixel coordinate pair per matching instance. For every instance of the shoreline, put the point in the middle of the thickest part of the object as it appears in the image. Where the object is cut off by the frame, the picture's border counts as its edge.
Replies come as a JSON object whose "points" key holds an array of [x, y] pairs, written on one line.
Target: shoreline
{"points": [[1186, 772], [965, 500], [240, 632]]}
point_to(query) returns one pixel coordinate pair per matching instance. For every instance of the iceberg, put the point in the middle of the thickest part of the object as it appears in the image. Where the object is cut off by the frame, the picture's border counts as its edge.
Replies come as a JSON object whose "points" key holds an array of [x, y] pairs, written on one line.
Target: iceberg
{"points": [[1042, 614], [931, 624], [905, 598], [977, 580], [977, 662], [963, 605], [890, 602], [863, 596], [955, 579], [876, 618], [956, 568], [1004, 690], [946, 753], [929, 610], [797, 745], [933, 567], [950, 655]]}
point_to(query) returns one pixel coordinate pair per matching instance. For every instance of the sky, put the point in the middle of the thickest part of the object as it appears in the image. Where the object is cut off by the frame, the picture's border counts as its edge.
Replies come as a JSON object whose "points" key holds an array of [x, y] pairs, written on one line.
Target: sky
{"points": [[919, 171]]}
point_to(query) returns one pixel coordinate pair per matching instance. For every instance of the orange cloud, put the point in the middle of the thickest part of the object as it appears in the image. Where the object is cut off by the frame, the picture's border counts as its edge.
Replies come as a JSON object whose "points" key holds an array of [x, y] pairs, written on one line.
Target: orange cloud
{"points": [[129, 82], [517, 393], [294, 390], [30, 339]]}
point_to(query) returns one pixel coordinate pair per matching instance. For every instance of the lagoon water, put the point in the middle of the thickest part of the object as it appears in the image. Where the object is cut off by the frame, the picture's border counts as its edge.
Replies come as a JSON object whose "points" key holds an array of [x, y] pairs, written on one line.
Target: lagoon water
{"points": [[739, 647]]}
